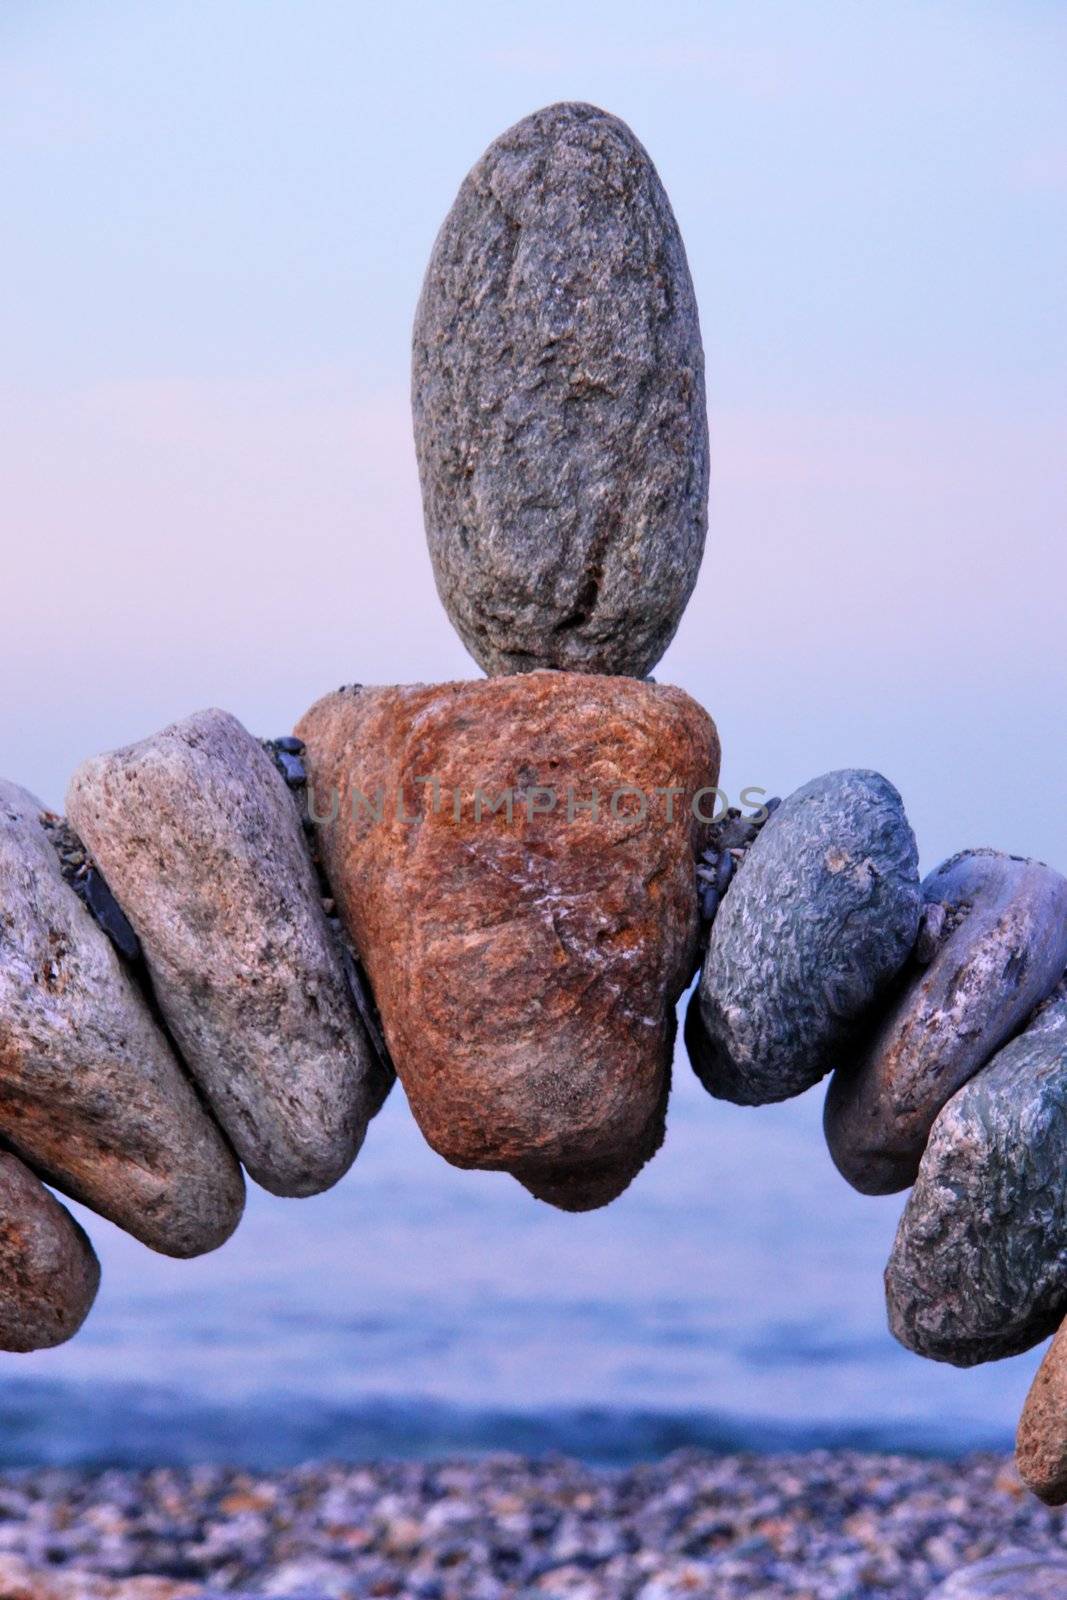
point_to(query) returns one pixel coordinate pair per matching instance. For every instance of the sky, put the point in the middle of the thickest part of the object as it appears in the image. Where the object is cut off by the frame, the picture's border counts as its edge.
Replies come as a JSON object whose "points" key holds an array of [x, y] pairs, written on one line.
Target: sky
{"points": [[216, 216]]}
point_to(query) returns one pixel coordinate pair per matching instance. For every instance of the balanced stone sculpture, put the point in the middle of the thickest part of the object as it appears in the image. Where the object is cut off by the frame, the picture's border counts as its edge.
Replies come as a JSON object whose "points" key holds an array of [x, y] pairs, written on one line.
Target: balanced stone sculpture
{"points": [[1003, 949], [817, 922], [199, 838], [558, 397], [515, 862]]}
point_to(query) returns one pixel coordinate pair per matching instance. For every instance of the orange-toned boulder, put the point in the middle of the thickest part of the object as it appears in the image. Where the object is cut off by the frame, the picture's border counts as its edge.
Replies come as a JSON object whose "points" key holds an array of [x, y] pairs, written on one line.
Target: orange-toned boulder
{"points": [[1041, 1442], [515, 862]]}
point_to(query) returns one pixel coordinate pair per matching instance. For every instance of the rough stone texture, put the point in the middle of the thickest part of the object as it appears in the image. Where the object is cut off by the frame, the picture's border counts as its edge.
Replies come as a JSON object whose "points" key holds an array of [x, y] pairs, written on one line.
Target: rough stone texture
{"points": [[817, 922], [558, 396], [979, 1266], [1041, 1442], [90, 1093], [199, 838], [1016, 1575], [1004, 949], [526, 970], [48, 1272]]}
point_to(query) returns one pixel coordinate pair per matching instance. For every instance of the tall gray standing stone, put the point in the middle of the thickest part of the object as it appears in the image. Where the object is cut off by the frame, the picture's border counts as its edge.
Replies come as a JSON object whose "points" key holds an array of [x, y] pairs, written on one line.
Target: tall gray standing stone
{"points": [[558, 397], [978, 1269], [817, 922], [48, 1271], [201, 842], [91, 1095]]}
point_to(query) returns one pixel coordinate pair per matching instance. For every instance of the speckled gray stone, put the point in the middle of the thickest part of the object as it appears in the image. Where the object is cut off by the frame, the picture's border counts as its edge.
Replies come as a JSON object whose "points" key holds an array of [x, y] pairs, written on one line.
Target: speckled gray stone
{"points": [[1015, 1575], [978, 1269], [201, 842], [1003, 950], [91, 1095], [48, 1271], [558, 397], [817, 922]]}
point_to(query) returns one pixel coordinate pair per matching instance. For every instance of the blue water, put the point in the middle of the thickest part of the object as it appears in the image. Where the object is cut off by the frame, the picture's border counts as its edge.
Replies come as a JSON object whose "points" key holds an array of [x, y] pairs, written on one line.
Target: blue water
{"points": [[731, 1298]]}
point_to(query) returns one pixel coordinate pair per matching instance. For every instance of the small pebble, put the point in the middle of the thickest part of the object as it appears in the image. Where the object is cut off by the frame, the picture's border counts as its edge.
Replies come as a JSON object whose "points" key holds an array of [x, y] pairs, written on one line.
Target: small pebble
{"points": [[110, 915], [931, 932]]}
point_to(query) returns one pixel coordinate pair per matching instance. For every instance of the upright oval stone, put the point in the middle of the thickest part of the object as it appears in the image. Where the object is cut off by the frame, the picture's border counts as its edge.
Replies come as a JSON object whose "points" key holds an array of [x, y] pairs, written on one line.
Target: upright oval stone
{"points": [[199, 838], [1003, 950], [558, 396], [817, 922], [49, 1273], [978, 1269], [515, 860], [91, 1094]]}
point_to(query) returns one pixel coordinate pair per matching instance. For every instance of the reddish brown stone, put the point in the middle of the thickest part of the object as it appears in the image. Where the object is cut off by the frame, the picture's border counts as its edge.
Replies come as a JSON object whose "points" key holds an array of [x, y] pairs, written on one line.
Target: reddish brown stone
{"points": [[1041, 1442], [526, 970], [48, 1272]]}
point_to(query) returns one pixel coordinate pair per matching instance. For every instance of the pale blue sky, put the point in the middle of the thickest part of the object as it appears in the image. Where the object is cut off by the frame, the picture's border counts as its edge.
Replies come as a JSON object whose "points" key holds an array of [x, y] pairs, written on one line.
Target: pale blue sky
{"points": [[216, 217]]}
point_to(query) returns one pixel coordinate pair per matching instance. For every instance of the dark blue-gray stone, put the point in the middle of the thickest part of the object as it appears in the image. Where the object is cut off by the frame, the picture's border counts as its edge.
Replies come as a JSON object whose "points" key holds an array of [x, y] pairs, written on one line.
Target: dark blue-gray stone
{"points": [[978, 1270], [818, 921], [558, 398], [110, 915]]}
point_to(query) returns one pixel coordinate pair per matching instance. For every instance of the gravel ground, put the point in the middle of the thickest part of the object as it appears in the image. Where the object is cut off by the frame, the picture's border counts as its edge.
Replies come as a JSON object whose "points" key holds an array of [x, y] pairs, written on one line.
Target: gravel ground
{"points": [[822, 1526]]}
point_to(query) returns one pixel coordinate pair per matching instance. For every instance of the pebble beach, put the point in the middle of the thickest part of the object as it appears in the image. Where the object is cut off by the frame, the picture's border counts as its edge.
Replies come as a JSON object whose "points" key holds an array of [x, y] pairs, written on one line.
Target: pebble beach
{"points": [[822, 1525]]}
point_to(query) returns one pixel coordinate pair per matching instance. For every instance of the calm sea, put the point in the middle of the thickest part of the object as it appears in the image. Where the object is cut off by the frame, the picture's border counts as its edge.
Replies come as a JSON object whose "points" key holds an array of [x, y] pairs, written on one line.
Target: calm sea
{"points": [[731, 1298]]}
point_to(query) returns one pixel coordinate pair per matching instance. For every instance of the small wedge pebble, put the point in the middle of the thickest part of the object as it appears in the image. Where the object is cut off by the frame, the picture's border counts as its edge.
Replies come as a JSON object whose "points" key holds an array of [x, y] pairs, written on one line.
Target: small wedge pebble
{"points": [[931, 932], [88, 883]]}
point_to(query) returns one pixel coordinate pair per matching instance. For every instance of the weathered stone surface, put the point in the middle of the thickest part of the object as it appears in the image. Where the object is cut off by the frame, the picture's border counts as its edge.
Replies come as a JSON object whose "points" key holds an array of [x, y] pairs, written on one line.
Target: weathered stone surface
{"points": [[526, 969], [48, 1271], [979, 1266], [1015, 1575], [558, 396], [199, 838], [90, 1093], [817, 922], [1003, 950], [1041, 1441]]}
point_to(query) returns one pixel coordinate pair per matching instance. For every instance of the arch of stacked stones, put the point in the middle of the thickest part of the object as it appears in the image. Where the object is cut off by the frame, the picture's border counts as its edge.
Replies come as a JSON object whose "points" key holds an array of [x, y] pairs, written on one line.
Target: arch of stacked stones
{"points": [[501, 888]]}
